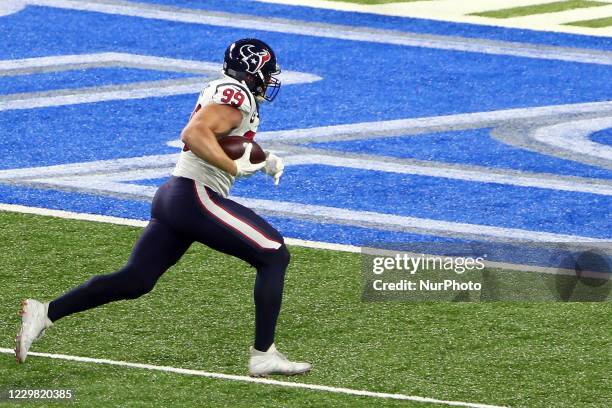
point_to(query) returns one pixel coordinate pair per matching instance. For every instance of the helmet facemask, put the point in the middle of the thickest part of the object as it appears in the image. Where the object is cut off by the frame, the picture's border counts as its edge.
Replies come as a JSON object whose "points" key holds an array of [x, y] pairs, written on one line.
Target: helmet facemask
{"points": [[271, 86]]}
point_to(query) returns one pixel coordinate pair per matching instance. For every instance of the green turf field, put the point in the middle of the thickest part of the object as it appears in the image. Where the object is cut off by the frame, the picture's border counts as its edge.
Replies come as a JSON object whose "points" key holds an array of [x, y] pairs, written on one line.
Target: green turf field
{"points": [[551, 7], [596, 23], [200, 317]]}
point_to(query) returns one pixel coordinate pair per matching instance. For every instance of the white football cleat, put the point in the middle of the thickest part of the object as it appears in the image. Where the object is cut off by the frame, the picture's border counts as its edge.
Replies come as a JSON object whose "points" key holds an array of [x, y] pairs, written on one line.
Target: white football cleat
{"points": [[34, 321], [274, 362]]}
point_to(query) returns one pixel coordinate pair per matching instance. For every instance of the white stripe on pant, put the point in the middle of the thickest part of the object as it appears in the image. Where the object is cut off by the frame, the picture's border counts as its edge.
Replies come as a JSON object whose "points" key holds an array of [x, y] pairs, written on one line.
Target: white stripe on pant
{"points": [[234, 222]]}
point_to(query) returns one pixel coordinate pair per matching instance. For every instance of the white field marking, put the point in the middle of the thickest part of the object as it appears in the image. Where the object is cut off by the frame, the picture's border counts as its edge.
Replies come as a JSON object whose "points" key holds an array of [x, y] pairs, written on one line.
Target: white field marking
{"points": [[98, 94], [397, 126], [72, 215], [574, 136], [103, 177], [331, 246], [96, 185], [76, 96], [134, 175], [137, 90], [333, 214], [97, 167], [141, 223], [406, 223], [91, 183], [589, 14], [562, 17], [120, 59], [482, 176], [455, 11], [243, 378], [109, 173], [337, 32], [8, 7], [156, 165], [58, 62]]}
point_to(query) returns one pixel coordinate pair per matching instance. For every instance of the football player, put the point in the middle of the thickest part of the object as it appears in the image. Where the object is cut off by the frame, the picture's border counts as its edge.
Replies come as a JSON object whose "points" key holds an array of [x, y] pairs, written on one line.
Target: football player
{"points": [[193, 206]]}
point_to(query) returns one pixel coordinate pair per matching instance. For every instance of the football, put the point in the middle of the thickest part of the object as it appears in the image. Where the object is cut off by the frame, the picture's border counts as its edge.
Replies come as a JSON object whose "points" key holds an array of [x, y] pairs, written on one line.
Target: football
{"points": [[233, 146]]}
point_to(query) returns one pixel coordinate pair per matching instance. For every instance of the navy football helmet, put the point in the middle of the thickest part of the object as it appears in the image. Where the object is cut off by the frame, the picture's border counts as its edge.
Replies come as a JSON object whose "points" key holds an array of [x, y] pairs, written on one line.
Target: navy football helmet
{"points": [[253, 61]]}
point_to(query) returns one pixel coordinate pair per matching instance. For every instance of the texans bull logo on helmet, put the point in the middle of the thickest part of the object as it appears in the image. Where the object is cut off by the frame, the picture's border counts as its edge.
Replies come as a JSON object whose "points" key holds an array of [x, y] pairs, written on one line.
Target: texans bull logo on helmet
{"points": [[255, 60]]}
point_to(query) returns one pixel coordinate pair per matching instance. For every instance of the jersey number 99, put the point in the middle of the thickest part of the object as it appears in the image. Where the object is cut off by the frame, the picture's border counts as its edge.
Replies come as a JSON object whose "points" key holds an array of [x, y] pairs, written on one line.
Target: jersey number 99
{"points": [[232, 97]]}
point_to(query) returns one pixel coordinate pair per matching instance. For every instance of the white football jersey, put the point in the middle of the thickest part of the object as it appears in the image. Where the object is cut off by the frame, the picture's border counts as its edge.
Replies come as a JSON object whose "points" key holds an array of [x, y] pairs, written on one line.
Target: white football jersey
{"points": [[223, 91]]}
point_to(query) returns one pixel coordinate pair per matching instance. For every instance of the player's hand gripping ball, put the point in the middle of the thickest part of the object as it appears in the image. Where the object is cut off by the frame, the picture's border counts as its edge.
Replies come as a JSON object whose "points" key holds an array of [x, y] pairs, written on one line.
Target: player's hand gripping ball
{"points": [[249, 154], [234, 147]]}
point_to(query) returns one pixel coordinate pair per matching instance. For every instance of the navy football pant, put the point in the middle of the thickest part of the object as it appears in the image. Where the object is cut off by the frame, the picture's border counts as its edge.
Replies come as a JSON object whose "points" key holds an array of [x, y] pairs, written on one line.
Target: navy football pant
{"points": [[184, 211]]}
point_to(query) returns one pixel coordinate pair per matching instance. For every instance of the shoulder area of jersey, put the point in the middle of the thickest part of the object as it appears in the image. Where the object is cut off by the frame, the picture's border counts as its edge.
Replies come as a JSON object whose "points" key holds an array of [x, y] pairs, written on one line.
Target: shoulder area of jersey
{"points": [[229, 91]]}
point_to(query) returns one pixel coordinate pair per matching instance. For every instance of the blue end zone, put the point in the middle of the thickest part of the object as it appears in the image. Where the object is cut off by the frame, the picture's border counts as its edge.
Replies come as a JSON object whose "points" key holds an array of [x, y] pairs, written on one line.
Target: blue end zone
{"points": [[72, 134]]}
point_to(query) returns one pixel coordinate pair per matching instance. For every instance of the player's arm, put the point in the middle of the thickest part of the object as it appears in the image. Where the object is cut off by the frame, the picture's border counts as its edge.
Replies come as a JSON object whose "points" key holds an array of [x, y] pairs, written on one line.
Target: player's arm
{"points": [[202, 131]]}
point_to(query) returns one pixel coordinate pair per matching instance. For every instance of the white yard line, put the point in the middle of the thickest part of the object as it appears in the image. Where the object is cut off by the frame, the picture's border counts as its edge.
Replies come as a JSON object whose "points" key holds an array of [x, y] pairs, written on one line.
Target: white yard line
{"points": [[121, 59], [242, 378], [141, 223], [72, 215]]}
